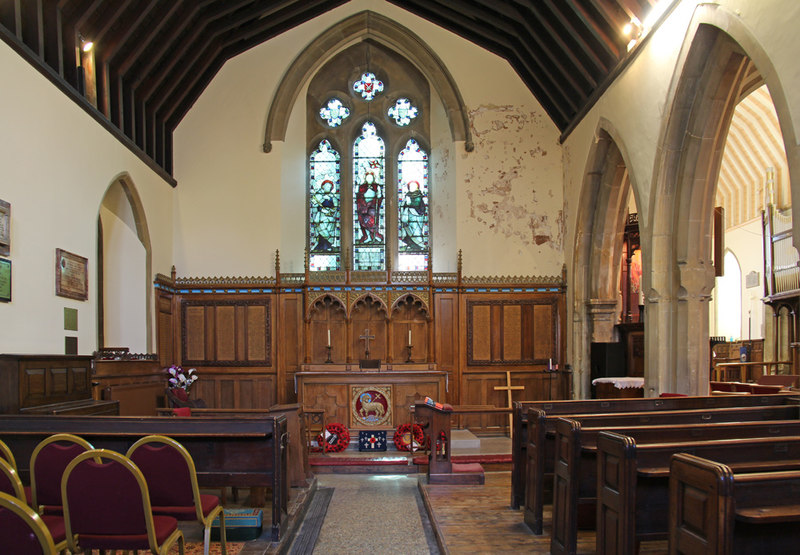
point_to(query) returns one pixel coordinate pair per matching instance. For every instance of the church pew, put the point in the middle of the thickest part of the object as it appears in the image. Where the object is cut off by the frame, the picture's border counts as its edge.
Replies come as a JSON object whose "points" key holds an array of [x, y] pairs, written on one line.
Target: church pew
{"points": [[519, 438], [575, 482], [299, 469], [541, 451], [713, 510], [633, 481], [236, 452]]}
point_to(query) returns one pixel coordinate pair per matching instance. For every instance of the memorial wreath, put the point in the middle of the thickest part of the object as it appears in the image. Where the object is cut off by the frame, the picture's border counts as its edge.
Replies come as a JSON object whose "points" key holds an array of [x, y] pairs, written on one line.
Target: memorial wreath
{"points": [[402, 437], [335, 437]]}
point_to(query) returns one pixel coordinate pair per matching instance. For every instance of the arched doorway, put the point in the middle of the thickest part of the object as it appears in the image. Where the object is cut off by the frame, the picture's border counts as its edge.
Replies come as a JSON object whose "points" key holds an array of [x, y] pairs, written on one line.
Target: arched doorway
{"points": [[607, 198], [124, 275], [711, 74]]}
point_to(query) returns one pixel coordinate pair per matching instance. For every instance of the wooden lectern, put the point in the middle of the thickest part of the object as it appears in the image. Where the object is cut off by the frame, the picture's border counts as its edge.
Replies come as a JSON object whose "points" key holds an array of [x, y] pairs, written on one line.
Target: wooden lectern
{"points": [[435, 422]]}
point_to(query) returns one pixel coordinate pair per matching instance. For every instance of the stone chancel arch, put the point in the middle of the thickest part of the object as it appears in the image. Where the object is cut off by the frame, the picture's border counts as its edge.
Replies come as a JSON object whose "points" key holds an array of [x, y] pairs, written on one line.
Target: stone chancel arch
{"points": [[710, 73]]}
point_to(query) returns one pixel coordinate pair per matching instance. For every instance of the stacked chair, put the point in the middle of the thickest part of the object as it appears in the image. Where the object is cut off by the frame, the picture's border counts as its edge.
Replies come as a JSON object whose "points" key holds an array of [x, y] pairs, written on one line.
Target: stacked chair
{"points": [[48, 461], [107, 506], [86, 498], [171, 478], [22, 531]]}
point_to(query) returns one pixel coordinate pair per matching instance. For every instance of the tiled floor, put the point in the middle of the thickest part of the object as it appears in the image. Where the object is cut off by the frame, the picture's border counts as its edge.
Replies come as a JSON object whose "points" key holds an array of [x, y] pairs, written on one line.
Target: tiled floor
{"points": [[373, 514]]}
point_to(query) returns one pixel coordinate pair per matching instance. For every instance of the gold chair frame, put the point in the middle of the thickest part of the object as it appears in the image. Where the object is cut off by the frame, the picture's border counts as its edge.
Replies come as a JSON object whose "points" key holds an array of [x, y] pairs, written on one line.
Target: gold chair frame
{"points": [[16, 483], [5, 453], [37, 525], [42, 444], [73, 542], [206, 521]]}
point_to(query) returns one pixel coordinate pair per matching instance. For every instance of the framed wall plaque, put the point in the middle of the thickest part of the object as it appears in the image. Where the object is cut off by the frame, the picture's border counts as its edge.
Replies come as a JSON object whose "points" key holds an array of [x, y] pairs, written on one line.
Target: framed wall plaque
{"points": [[5, 280], [5, 228], [72, 275]]}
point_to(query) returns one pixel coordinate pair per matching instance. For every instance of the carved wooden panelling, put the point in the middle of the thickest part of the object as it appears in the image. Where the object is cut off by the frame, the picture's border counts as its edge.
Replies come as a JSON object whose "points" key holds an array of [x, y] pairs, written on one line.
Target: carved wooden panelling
{"points": [[510, 332], [446, 330], [226, 333], [236, 391], [166, 354]]}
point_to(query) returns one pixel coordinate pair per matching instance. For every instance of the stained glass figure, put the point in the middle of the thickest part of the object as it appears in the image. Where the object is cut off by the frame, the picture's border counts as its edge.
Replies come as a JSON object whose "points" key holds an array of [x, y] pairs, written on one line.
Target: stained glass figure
{"points": [[368, 86], [324, 213], [369, 212], [403, 112], [334, 112], [412, 203]]}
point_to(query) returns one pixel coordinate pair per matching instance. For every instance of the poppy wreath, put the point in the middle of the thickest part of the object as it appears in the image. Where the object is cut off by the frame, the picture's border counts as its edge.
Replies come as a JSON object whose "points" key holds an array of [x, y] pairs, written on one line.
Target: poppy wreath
{"points": [[335, 438], [401, 436]]}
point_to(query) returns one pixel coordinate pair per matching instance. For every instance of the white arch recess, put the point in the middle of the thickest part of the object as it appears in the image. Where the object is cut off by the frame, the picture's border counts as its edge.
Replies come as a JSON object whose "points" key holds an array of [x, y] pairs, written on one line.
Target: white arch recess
{"points": [[360, 27], [143, 234], [598, 248], [678, 267]]}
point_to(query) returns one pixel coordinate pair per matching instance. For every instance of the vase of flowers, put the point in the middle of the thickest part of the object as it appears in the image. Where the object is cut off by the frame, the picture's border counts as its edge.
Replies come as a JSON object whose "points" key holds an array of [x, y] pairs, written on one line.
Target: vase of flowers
{"points": [[180, 378]]}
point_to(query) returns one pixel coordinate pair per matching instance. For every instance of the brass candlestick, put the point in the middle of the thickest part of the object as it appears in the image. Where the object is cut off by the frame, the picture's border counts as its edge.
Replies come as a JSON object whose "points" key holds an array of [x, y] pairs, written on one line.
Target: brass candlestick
{"points": [[409, 347], [329, 361]]}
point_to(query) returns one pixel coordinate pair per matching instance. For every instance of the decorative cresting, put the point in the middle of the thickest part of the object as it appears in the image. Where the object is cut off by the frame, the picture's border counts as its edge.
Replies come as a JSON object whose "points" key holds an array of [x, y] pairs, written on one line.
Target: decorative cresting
{"points": [[360, 27]]}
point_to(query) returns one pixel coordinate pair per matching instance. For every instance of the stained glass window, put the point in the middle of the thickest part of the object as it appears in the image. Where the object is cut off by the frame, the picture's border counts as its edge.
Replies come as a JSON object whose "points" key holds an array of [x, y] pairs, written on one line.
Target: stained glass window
{"points": [[412, 204], [324, 211], [402, 112], [334, 112], [369, 86], [369, 210]]}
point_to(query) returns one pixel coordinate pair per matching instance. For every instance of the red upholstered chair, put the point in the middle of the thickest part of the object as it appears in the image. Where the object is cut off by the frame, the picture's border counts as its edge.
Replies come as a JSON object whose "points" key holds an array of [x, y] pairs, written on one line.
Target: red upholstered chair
{"points": [[172, 480], [22, 531], [48, 461], [107, 506], [10, 484]]}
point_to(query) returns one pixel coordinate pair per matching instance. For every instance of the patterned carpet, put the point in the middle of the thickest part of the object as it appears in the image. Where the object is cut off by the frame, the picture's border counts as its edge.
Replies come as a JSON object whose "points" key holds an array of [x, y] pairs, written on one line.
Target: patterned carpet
{"points": [[196, 548]]}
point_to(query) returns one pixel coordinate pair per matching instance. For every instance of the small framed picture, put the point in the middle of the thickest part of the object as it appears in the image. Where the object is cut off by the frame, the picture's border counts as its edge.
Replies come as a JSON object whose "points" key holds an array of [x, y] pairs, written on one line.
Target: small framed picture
{"points": [[5, 228], [72, 275], [5, 280]]}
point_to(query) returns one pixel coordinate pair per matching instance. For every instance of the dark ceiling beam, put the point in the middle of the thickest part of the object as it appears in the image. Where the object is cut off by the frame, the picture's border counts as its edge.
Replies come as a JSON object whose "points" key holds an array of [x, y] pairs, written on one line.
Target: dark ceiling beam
{"points": [[185, 80], [612, 12], [484, 36], [542, 30], [165, 20], [249, 37], [189, 45], [186, 17], [588, 32]]}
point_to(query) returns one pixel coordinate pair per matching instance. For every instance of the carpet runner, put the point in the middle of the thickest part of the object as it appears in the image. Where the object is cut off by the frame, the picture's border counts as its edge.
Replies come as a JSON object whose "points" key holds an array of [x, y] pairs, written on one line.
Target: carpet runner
{"points": [[196, 548]]}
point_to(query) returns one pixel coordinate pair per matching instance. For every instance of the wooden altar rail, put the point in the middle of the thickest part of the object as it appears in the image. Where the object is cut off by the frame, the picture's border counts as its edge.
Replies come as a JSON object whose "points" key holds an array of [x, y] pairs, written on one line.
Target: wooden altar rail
{"points": [[725, 371]]}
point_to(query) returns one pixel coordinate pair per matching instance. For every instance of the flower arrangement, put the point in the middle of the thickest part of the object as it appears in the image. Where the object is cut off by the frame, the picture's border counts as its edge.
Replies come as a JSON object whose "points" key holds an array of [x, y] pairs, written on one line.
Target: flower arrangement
{"points": [[180, 378]]}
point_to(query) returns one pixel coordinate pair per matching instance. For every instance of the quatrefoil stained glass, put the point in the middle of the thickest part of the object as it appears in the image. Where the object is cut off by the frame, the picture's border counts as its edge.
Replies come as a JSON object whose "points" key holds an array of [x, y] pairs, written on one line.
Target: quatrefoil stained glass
{"points": [[368, 86], [403, 112], [334, 112]]}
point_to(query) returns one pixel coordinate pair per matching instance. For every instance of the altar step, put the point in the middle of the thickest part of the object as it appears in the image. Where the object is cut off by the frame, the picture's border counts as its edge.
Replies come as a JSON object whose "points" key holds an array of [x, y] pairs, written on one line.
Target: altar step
{"points": [[393, 464]]}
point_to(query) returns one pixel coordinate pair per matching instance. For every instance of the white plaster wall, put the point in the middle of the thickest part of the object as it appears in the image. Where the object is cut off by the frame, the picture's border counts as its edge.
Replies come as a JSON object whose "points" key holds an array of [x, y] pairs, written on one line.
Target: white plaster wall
{"points": [[236, 205], [55, 166]]}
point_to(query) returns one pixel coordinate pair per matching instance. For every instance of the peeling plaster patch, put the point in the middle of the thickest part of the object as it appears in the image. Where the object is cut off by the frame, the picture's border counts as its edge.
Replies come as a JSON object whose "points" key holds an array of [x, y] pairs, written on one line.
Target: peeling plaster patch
{"points": [[505, 182]]}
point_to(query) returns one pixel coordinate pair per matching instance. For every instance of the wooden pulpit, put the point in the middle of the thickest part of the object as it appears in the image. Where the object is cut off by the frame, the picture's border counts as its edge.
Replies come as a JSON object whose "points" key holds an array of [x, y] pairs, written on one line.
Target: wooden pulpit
{"points": [[435, 421]]}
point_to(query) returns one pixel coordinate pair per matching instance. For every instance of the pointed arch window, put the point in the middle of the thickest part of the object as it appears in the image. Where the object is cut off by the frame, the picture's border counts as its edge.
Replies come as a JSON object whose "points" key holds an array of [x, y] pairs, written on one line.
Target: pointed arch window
{"points": [[368, 197], [412, 201], [324, 216]]}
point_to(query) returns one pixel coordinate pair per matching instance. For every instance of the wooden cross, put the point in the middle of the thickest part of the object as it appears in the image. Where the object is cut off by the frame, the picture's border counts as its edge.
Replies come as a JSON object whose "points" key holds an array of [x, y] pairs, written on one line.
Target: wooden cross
{"points": [[508, 388], [366, 337]]}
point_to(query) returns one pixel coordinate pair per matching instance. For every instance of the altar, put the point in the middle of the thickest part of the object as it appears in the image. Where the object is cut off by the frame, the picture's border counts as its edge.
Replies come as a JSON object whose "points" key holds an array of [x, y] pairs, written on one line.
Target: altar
{"points": [[368, 399]]}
